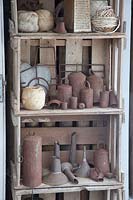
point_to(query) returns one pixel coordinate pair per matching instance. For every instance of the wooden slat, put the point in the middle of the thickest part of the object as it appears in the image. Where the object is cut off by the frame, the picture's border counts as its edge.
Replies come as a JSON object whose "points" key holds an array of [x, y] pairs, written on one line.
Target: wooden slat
{"points": [[48, 196], [98, 56], [96, 195], [48, 55], [108, 65], [85, 135], [73, 55], [14, 14], [72, 196], [25, 51]]}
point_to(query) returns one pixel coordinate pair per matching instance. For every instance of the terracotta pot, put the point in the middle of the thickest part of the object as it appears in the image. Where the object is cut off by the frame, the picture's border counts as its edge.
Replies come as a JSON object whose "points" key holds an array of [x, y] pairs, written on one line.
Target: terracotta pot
{"points": [[81, 105], [76, 80], [32, 161], [64, 105], [64, 93], [101, 160], [84, 168], [96, 84], [60, 27], [86, 96], [104, 99], [113, 102], [54, 104], [73, 102]]}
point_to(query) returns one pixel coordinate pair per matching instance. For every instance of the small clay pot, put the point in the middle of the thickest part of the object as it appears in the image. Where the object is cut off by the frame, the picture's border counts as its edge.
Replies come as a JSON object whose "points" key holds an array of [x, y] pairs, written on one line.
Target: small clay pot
{"points": [[64, 105], [54, 104], [81, 105], [104, 99], [113, 102], [86, 96], [73, 102], [60, 27], [64, 93]]}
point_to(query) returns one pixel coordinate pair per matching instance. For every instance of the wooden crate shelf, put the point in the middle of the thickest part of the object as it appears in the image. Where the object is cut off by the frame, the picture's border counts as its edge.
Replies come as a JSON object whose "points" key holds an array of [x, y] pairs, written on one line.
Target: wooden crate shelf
{"points": [[58, 36]]}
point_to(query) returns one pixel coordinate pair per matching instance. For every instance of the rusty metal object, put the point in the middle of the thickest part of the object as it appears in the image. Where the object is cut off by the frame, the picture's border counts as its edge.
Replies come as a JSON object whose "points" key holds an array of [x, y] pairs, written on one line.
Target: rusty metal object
{"points": [[81, 105], [54, 104], [64, 93], [64, 105], [67, 170], [104, 99], [60, 27], [101, 160], [84, 168], [57, 149], [73, 102], [86, 96], [77, 81], [96, 84], [113, 102], [56, 177], [72, 155], [32, 161], [96, 175]]}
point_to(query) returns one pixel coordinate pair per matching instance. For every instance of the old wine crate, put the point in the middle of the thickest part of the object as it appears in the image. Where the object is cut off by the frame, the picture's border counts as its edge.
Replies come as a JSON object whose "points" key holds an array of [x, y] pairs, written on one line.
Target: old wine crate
{"points": [[77, 15]]}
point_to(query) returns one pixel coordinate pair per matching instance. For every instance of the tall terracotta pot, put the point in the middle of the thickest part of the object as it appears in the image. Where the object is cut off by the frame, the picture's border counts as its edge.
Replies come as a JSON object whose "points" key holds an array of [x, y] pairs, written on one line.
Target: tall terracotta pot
{"points": [[32, 161], [64, 93], [86, 96]]}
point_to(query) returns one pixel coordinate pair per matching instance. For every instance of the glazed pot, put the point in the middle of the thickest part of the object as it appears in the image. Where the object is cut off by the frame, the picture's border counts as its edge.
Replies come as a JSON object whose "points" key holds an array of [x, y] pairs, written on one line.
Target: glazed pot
{"points": [[77, 81], [33, 98], [101, 160], [86, 96], [64, 93], [96, 83]]}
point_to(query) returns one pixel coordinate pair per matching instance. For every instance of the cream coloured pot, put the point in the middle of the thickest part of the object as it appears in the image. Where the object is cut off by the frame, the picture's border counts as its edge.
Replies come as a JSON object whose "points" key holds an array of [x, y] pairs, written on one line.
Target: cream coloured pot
{"points": [[33, 98]]}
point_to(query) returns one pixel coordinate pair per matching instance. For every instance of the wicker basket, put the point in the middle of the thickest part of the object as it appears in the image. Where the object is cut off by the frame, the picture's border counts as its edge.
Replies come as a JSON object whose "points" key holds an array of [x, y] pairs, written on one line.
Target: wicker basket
{"points": [[105, 24]]}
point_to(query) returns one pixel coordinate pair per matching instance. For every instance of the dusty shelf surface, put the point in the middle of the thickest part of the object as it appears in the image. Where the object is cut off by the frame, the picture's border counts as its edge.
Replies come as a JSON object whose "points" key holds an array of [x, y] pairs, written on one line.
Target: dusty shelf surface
{"points": [[59, 112], [52, 35], [84, 184]]}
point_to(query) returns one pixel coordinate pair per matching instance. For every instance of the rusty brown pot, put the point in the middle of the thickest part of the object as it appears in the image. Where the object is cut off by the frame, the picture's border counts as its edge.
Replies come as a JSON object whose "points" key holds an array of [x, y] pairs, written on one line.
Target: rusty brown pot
{"points": [[96, 175], [104, 99], [60, 27], [32, 161], [113, 102], [86, 96], [77, 81], [73, 102], [101, 160], [96, 84], [64, 93]]}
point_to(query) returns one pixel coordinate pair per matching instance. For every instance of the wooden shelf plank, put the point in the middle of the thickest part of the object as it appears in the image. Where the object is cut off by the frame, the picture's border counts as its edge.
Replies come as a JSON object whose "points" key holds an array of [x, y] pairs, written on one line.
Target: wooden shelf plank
{"points": [[84, 184], [52, 35], [69, 112]]}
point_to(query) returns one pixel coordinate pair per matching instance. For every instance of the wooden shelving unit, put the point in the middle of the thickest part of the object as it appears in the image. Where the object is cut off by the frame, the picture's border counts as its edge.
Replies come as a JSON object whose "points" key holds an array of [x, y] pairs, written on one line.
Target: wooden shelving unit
{"points": [[92, 125]]}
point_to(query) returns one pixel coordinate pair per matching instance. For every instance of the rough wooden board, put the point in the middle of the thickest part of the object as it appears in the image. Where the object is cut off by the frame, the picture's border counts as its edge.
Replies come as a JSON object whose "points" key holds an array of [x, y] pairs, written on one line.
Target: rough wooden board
{"points": [[96, 195], [25, 51], [48, 55], [72, 196], [73, 55], [98, 56], [108, 65], [48, 196]]}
